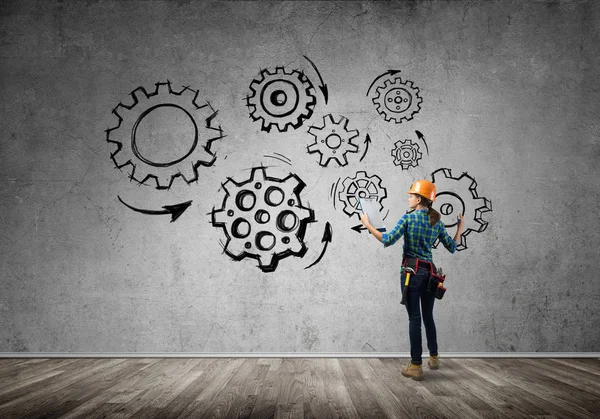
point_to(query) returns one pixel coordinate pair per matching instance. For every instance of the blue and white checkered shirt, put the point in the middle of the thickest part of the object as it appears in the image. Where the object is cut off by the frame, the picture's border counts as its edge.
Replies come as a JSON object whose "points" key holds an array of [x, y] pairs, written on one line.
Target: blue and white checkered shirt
{"points": [[419, 235]]}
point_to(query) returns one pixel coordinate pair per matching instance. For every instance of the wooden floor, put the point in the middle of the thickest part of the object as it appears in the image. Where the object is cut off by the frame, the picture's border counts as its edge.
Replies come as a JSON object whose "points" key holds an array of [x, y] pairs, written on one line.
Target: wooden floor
{"points": [[297, 388]]}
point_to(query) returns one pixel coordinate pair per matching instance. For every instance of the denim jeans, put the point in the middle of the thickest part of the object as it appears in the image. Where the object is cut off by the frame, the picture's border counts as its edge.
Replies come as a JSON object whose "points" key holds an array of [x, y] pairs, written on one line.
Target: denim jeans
{"points": [[418, 294]]}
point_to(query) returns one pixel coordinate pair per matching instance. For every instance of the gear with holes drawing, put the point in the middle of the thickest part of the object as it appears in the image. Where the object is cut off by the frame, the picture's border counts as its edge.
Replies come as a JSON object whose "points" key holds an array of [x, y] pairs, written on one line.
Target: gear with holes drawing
{"points": [[263, 218], [406, 154], [333, 141], [459, 194], [164, 134], [281, 99], [397, 100], [361, 186]]}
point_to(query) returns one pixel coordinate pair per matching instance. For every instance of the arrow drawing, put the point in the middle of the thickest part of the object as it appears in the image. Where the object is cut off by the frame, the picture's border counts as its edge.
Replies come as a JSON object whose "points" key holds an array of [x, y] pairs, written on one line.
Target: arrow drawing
{"points": [[359, 227], [367, 141], [327, 236], [422, 137], [323, 86], [389, 72], [175, 210]]}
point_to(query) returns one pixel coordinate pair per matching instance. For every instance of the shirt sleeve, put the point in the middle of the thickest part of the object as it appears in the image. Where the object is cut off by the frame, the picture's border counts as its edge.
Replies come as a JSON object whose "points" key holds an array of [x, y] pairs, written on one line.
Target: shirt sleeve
{"points": [[393, 236], [448, 242]]}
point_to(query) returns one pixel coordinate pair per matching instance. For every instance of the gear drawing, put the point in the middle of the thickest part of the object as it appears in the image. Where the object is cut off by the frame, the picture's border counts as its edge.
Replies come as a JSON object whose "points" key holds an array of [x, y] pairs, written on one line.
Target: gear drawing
{"points": [[360, 186], [397, 100], [406, 154], [281, 99], [456, 195], [333, 140], [263, 218], [162, 160]]}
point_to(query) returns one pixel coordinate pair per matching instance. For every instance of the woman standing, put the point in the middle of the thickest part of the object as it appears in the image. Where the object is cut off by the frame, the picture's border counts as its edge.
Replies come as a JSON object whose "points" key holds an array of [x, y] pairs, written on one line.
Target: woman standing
{"points": [[420, 228]]}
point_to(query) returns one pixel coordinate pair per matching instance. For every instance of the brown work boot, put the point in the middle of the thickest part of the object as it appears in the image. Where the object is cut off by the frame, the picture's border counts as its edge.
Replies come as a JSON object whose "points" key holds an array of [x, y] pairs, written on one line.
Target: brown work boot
{"points": [[434, 362], [413, 371]]}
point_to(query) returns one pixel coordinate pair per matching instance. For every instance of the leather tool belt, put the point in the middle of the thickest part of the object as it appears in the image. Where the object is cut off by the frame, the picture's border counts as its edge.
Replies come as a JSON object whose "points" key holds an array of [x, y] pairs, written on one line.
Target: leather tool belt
{"points": [[434, 282]]}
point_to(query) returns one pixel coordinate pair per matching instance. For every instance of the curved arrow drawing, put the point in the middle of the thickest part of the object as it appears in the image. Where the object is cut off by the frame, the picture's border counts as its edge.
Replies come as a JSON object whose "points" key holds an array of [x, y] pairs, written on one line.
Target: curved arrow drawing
{"points": [[323, 86], [367, 141], [327, 236], [422, 137], [389, 72], [175, 210]]}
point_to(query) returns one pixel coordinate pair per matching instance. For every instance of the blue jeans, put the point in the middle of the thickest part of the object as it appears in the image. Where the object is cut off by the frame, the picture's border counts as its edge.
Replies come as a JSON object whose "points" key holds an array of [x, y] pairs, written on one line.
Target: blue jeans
{"points": [[417, 293]]}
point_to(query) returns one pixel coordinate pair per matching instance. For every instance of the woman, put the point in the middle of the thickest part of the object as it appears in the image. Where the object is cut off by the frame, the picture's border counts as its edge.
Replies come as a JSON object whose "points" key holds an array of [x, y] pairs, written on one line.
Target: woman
{"points": [[420, 228]]}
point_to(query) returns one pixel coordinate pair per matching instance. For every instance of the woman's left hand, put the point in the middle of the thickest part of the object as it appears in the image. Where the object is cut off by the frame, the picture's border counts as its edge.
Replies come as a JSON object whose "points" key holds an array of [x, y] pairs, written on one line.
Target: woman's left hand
{"points": [[365, 220]]}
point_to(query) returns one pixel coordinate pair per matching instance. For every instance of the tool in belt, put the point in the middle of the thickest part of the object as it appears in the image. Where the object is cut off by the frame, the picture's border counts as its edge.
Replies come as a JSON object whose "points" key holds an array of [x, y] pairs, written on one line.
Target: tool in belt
{"points": [[435, 281]]}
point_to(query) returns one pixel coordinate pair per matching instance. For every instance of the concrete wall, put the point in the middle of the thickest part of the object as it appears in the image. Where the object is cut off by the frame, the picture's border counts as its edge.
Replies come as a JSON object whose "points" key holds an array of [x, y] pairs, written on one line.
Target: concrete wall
{"points": [[509, 94]]}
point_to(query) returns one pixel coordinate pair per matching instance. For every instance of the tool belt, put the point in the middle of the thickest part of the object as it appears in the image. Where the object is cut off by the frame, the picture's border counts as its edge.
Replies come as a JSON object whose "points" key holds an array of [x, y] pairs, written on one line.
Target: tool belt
{"points": [[435, 281]]}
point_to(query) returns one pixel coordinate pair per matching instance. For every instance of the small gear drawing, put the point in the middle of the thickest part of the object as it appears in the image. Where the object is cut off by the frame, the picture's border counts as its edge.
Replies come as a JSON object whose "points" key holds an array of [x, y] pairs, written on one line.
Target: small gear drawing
{"points": [[456, 195], [397, 100], [361, 186], [281, 99], [406, 154], [333, 140], [263, 218], [146, 160]]}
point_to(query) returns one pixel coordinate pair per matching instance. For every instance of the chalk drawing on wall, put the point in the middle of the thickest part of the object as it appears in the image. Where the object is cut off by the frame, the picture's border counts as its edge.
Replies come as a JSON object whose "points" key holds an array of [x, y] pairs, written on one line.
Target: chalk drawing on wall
{"points": [[333, 141], [367, 142], [360, 186], [164, 134], [263, 218], [397, 100], [327, 238], [281, 99], [322, 85], [406, 154], [459, 194], [174, 210], [280, 157], [421, 137]]}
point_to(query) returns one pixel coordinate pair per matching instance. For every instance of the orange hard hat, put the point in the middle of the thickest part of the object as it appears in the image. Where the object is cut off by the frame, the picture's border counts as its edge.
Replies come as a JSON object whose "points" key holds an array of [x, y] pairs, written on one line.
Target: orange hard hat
{"points": [[424, 188]]}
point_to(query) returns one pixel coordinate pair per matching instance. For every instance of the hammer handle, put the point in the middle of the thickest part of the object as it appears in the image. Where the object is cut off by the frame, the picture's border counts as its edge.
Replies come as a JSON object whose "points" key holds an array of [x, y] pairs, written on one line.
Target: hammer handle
{"points": [[405, 291]]}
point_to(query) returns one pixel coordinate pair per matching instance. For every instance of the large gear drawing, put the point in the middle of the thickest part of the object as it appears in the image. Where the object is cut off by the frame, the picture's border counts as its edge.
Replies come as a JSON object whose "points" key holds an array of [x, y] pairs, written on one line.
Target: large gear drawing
{"points": [[263, 218], [281, 99], [397, 100], [454, 195], [129, 142], [406, 154], [361, 186], [333, 140]]}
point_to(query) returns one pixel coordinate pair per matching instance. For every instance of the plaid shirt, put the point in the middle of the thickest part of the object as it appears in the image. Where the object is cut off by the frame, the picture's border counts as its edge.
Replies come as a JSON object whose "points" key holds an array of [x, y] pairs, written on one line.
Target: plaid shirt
{"points": [[419, 235]]}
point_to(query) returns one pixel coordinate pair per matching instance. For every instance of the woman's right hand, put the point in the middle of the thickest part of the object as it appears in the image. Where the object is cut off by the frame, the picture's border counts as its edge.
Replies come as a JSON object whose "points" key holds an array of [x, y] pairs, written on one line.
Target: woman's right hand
{"points": [[461, 222]]}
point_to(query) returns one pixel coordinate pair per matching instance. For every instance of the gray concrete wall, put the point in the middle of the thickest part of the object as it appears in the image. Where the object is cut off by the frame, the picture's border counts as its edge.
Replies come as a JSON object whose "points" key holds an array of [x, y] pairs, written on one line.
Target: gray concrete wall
{"points": [[509, 95]]}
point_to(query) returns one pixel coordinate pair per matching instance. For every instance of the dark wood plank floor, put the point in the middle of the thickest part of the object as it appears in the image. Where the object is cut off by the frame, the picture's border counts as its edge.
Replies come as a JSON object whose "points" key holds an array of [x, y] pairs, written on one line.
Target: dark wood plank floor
{"points": [[297, 388]]}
